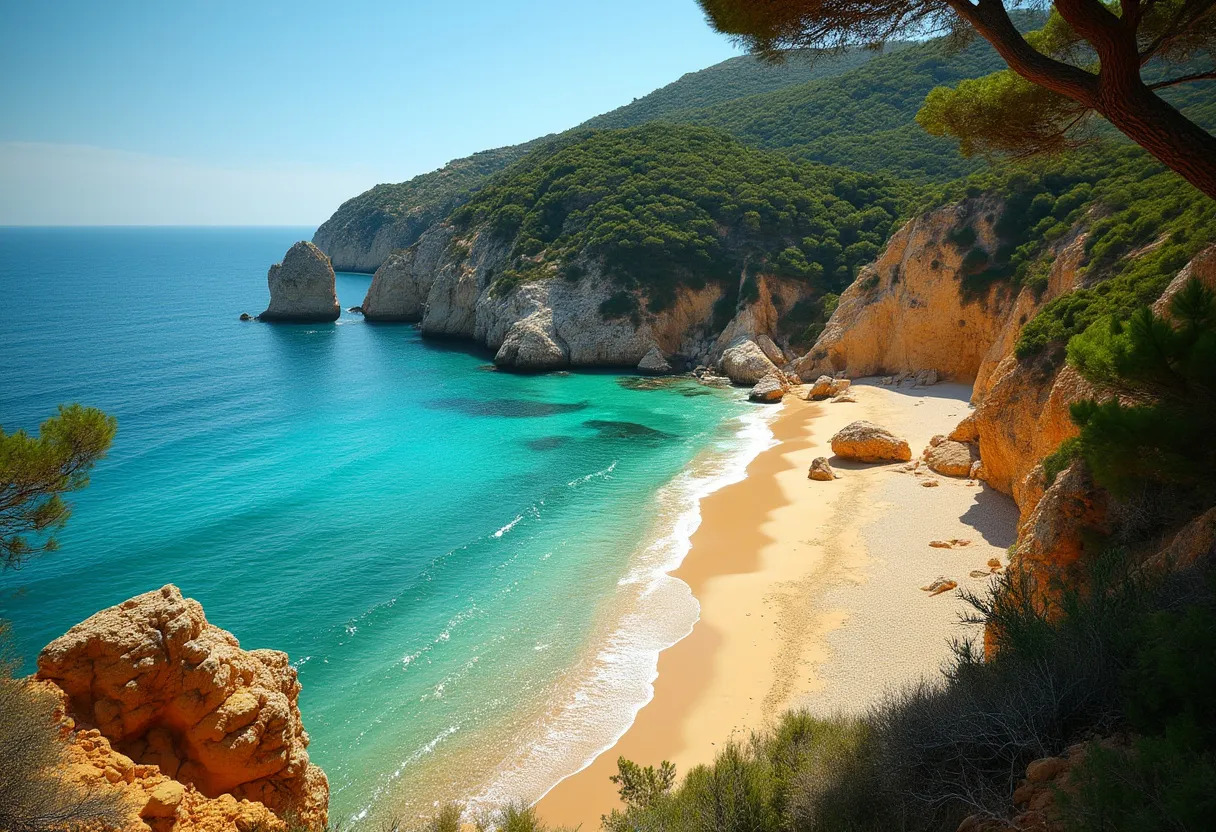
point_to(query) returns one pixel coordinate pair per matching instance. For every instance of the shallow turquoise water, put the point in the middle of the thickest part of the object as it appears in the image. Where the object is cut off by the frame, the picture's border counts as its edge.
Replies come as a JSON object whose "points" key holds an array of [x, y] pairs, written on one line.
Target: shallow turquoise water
{"points": [[466, 566]]}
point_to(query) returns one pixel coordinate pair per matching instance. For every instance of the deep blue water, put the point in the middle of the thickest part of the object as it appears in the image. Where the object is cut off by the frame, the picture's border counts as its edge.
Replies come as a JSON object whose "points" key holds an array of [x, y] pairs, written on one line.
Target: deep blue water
{"points": [[465, 565]]}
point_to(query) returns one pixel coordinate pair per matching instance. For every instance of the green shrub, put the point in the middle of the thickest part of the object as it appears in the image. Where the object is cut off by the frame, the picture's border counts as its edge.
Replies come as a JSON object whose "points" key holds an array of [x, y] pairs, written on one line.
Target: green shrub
{"points": [[1156, 433], [620, 305]]}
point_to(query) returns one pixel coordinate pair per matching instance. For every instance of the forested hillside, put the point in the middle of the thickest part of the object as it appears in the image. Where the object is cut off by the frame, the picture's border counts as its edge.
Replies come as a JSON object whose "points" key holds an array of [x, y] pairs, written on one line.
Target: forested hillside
{"points": [[400, 212], [738, 77], [661, 205], [834, 108]]}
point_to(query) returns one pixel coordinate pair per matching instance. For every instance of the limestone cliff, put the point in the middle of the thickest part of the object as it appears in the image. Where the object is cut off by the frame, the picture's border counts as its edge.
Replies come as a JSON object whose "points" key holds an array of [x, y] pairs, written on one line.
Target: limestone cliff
{"points": [[452, 284], [911, 311], [302, 287], [908, 310], [195, 732]]}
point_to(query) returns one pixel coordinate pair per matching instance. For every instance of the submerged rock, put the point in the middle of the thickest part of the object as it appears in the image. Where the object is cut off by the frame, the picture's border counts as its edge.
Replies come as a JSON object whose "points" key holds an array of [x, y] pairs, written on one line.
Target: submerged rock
{"points": [[302, 287], [867, 442]]}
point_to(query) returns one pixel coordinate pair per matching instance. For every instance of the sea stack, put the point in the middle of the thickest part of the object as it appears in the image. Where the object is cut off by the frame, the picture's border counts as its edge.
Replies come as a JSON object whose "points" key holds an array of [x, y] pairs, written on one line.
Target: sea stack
{"points": [[302, 287]]}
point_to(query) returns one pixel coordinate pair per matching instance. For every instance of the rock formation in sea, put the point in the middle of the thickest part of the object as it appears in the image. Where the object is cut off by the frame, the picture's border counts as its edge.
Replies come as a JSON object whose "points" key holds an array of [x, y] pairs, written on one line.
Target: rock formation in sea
{"points": [[194, 732], [302, 287]]}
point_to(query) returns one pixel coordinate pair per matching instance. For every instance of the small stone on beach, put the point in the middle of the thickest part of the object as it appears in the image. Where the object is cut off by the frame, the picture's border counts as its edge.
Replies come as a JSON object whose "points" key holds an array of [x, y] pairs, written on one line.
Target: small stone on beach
{"points": [[940, 585]]}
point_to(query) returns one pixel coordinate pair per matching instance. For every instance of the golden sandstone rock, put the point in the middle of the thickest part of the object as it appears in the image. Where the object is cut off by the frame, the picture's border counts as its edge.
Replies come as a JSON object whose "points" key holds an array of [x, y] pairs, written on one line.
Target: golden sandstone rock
{"points": [[951, 458], [867, 442], [821, 470], [172, 711]]}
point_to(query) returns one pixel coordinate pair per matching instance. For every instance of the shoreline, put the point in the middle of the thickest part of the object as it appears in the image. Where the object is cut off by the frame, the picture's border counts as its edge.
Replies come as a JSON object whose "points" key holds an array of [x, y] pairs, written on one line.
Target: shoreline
{"points": [[638, 636], [782, 569]]}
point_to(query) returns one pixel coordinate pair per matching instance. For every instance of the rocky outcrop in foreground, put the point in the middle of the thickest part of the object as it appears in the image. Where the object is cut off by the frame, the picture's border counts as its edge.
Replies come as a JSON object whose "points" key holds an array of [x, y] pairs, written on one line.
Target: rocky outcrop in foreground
{"points": [[302, 287], [171, 711]]}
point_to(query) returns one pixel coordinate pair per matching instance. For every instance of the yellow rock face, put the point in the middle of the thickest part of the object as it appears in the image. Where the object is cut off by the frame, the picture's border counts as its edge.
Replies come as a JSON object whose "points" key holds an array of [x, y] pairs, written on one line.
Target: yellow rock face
{"points": [[196, 731], [907, 311]]}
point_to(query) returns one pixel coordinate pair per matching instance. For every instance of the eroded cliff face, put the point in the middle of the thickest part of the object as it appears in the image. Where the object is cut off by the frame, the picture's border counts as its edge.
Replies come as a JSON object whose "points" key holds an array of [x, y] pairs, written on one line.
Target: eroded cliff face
{"points": [[196, 733], [446, 283], [352, 249], [907, 311], [910, 312]]}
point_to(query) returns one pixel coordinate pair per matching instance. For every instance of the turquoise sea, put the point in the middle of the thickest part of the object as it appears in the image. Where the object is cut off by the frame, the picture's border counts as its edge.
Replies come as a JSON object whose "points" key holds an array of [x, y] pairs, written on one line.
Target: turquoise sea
{"points": [[466, 566]]}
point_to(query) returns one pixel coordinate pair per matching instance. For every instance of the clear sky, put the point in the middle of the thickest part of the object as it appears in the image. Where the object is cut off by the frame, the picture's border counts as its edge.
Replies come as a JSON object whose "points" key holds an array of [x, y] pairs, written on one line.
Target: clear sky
{"points": [[226, 112]]}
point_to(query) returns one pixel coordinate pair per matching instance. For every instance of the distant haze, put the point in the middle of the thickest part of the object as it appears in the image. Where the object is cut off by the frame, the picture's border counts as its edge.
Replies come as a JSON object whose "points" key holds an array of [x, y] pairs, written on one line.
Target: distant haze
{"points": [[228, 113]]}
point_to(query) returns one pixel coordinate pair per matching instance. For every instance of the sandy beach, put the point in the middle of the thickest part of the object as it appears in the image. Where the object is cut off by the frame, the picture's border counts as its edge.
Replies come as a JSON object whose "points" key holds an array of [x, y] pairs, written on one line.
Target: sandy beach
{"points": [[809, 591]]}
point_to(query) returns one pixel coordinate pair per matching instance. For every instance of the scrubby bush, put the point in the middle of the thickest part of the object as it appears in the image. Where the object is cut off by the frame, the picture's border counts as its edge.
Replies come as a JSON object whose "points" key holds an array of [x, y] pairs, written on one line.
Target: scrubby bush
{"points": [[1155, 430], [1119, 656], [35, 794]]}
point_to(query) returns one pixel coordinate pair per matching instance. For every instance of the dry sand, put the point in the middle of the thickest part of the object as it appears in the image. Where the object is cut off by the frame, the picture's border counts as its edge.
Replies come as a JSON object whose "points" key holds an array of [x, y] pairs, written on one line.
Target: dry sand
{"points": [[810, 591]]}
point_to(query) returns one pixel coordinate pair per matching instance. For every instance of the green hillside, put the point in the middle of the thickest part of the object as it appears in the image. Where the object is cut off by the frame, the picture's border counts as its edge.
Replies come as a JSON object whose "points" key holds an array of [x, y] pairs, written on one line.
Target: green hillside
{"points": [[738, 77], [414, 205], [661, 205], [865, 118]]}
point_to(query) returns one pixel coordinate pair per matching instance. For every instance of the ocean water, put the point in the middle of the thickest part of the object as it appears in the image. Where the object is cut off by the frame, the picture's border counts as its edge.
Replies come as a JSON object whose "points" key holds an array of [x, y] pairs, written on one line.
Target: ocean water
{"points": [[467, 567]]}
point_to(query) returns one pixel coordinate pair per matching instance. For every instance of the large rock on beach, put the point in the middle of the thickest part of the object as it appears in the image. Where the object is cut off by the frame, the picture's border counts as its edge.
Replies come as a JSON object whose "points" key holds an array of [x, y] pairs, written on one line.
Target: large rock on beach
{"points": [[746, 363], [867, 442], [166, 688], [654, 362], [820, 470], [302, 287], [770, 389], [951, 458]]}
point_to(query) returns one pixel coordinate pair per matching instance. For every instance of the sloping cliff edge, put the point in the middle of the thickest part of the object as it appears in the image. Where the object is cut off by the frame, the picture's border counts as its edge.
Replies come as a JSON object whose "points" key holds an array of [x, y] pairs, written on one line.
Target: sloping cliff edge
{"points": [[910, 312], [193, 733]]}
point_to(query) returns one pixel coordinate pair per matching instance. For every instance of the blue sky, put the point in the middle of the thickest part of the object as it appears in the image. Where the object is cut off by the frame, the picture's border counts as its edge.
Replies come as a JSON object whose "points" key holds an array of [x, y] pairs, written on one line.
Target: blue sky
{"points": [[123, 112]]}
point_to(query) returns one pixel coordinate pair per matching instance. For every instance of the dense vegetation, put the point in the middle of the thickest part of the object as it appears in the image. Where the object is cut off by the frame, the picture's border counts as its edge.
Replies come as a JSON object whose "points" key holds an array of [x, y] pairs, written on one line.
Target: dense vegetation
{"points": [[1150, 443], [735, 78], [422, 201], [664, 205], [419, 202], [1143, 224], [865, 119]]}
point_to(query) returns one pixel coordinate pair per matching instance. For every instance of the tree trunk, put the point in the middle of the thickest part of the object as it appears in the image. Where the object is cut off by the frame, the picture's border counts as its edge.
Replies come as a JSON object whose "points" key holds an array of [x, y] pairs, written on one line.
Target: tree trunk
{"points": [[1149, 121]]}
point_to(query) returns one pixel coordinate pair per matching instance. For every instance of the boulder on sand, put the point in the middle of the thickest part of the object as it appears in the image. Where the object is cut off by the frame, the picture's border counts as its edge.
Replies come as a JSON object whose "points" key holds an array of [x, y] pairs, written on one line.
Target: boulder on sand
{"points": [[951, 458], [826, 386], [770, 389], [746, 363], [302, 287], [940, 585], [821, 470], [867, 442]]}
